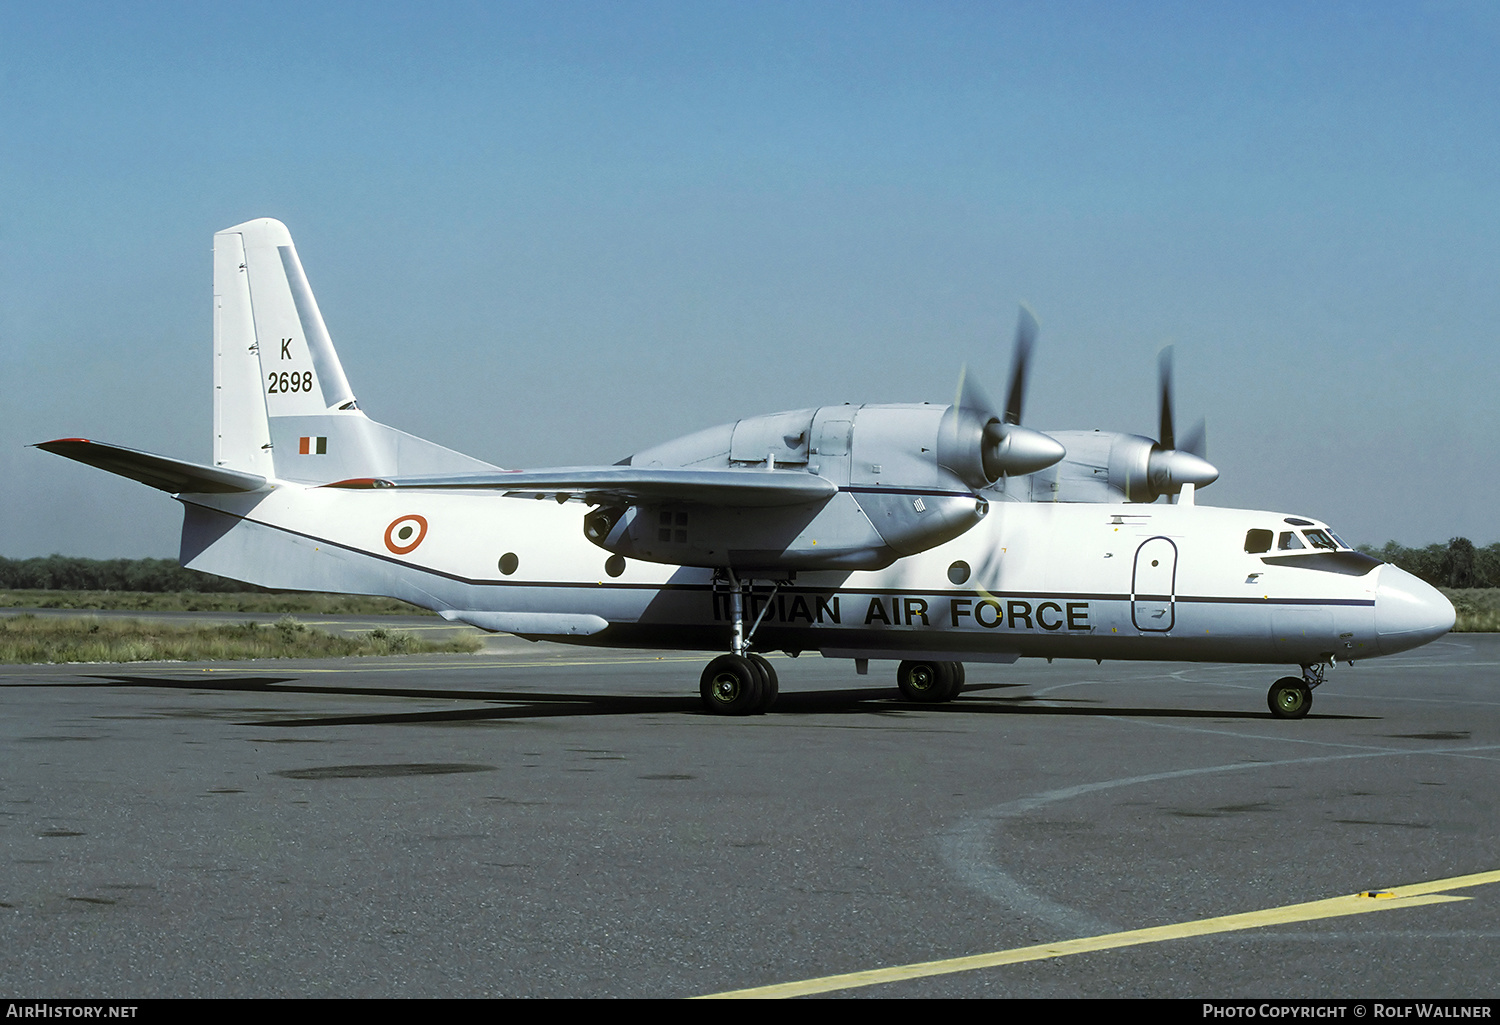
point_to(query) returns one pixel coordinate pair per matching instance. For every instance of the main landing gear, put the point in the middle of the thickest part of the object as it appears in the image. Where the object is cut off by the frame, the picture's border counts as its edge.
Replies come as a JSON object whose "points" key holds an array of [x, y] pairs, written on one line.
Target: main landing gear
{"points": [[747, 685], [738, 685], [744, 683], [741, 682], [930, 681], [1291, 697]]}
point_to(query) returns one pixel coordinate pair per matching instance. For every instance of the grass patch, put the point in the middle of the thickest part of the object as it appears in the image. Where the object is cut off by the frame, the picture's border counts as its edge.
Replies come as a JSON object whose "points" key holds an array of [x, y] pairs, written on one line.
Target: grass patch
{"points": [[1478, 608], [32, 639], [298, 603]]}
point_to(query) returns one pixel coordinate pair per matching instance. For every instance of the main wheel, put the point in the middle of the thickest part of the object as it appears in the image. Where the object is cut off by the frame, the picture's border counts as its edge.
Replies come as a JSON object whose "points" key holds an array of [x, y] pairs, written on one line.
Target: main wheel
{"points": [[958, 677], [770, 686], [1289, 698], [927, 681], [731, 685]]}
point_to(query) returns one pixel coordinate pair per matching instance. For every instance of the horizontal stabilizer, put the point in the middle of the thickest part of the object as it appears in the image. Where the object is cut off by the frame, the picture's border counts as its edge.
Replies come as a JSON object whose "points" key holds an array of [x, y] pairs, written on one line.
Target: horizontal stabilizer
{"points": [[632, 484], [171, 475]]}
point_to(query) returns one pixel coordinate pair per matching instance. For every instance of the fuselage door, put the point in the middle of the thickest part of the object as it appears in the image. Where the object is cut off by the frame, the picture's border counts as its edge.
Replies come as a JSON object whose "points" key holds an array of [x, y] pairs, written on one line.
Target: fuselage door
{"points": [[1153, 586]]}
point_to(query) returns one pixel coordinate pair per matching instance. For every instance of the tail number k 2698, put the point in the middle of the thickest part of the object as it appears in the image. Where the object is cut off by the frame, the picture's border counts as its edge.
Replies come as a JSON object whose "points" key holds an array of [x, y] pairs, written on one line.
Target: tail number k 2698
{"points": [[288, 382]]}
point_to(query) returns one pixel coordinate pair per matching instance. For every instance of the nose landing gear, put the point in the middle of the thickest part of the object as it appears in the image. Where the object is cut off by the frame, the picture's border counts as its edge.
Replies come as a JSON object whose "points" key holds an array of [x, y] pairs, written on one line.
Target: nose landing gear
{"points": [[1291, 697]]}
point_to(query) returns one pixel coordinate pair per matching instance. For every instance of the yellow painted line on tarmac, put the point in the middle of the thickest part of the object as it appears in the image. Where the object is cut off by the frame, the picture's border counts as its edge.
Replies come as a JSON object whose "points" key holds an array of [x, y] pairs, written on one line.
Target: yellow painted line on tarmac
{"points": [[1415, 895]]}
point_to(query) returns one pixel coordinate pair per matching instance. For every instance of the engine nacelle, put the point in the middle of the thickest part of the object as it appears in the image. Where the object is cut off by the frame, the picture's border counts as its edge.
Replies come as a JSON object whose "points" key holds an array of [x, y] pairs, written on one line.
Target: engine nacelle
{"points": [[1103, 466], [980, 448]]}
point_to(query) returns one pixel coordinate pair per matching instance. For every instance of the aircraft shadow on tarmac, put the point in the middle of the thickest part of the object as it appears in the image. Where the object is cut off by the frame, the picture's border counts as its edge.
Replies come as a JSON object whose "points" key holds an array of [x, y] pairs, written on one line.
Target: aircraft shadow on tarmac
{"points": [[535, 704]]}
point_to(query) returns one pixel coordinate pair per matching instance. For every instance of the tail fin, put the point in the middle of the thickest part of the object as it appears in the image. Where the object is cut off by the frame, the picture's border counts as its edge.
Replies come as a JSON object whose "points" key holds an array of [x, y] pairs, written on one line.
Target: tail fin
{"points": [[282, 405]]}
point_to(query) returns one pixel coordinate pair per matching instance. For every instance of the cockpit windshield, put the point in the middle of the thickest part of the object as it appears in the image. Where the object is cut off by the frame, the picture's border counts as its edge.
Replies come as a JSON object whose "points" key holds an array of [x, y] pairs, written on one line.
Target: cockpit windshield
{"points": [[1308, 546], [1317, 538]]}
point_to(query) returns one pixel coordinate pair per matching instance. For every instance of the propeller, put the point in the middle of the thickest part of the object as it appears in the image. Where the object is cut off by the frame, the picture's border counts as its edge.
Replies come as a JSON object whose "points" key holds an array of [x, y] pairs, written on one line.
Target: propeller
{"points": [[1172, 465], [982, 444], [1026, 332]]}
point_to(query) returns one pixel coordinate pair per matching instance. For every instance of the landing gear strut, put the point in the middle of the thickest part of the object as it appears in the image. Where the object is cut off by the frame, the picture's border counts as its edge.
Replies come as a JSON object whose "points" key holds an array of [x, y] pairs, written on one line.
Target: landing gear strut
{"points": [[1291, 696], [741, 682]]}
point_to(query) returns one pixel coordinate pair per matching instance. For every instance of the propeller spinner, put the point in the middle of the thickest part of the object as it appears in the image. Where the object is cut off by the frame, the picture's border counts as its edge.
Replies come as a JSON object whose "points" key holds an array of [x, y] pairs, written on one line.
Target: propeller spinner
{"points": [[982, 444]]}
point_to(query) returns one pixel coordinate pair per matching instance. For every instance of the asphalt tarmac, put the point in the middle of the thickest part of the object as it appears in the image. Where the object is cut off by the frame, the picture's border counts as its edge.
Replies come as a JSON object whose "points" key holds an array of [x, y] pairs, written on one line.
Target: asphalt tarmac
{"points": [[541, 820]]}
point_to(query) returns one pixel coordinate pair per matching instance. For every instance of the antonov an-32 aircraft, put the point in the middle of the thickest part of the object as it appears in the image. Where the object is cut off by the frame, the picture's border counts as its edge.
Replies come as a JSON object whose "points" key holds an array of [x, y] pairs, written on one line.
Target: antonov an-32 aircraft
{"points": [[925, 535]]}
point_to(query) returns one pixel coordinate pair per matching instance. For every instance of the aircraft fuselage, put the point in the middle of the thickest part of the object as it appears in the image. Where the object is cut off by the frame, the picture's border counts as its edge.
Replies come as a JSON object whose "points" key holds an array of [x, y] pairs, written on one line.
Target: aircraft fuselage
{"points": [[1157, 581]]}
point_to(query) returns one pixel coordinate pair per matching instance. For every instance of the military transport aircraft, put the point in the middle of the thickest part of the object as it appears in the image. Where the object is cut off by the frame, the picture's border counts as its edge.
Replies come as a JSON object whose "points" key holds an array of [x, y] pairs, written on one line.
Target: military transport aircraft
{"points": [[926, 535]]}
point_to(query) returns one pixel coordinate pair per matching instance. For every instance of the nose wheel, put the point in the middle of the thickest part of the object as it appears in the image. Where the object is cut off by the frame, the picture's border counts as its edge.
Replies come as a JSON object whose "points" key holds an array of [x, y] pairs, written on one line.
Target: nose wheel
{"points": [[1289, 698]]}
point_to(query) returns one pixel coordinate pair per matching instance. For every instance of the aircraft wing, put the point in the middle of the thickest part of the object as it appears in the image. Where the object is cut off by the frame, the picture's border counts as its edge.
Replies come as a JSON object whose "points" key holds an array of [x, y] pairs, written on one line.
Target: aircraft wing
{"points": [[631, 484], [171, 475]]}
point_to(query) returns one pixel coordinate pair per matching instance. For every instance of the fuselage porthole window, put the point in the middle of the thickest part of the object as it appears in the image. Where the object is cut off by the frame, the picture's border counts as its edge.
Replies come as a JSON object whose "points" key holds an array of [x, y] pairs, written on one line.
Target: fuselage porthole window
{"points": [[1257, 541]]}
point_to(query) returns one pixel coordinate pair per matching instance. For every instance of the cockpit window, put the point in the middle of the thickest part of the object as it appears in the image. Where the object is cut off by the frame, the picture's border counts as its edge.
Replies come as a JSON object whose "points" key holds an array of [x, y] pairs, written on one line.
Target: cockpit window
{"points": [[1321, 539], [1290, 541], [1257, 541]]}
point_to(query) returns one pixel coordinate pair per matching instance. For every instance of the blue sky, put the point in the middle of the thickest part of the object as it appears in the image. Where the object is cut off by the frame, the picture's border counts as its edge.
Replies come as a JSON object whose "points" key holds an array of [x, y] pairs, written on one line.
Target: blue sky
{"points": [[554, 233]]}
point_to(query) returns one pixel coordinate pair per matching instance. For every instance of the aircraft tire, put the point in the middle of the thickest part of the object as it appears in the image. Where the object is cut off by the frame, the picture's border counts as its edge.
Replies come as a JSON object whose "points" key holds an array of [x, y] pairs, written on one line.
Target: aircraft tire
{"points": [[1289, 698], [958, 678], [731, 685], [930, 682], [770, 686]]}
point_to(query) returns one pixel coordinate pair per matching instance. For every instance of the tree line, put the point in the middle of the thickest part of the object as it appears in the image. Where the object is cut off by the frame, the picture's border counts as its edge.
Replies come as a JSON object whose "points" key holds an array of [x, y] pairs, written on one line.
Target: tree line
{"points": [[1455, 564], [66, 573]]}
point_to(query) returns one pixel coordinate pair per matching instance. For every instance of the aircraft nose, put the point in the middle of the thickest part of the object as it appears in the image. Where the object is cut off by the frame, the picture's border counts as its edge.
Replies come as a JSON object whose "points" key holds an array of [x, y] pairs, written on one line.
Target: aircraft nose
{"points": [[1408, 611]]}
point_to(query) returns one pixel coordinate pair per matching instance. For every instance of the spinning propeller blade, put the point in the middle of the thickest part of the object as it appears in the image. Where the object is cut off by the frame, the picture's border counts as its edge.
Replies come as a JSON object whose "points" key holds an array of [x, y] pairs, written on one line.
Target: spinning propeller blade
{"points": [[983, 444], [1026, 332], [1164, 372], [1171, 466]]}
